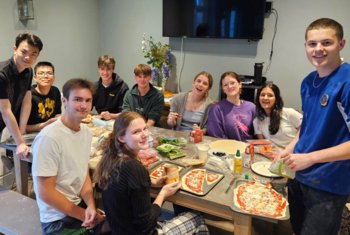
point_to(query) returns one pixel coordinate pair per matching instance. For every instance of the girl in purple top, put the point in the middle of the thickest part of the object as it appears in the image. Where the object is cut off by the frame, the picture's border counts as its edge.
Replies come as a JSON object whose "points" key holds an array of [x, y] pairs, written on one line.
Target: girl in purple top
{"points": [[231, 118]]}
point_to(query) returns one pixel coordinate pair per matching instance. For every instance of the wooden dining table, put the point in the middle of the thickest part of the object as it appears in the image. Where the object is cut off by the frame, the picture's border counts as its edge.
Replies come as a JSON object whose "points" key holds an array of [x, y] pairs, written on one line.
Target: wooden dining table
{"points": [[217, 203]]}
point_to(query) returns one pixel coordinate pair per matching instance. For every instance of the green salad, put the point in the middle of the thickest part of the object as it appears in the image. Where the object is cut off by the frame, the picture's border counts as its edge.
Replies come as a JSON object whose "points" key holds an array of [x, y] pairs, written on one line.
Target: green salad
{"points": [[171, 140], [171, 151]]}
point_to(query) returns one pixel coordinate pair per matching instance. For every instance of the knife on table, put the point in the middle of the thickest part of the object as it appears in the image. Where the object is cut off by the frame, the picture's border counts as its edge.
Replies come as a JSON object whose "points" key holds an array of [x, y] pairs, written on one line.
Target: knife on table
{"points": [[231, 183]]}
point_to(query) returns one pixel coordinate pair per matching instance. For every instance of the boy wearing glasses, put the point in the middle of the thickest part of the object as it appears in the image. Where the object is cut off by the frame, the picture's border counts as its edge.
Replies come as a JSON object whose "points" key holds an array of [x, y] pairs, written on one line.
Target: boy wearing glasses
{"points": [[46, 98], [15, 84]]}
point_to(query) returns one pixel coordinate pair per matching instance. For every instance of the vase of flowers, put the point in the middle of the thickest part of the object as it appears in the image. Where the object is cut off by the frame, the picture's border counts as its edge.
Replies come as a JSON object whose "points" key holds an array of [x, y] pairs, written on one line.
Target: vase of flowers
{"points": [[158, 56]]}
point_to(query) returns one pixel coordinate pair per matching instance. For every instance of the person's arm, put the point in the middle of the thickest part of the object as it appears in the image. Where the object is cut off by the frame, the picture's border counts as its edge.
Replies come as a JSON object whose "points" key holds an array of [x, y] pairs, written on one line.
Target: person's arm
{"points": [[204, 122], [215, 123], [172, 119], [174, 111], [127, 102], [87, 195], [25, 111], [299, 162], [150, 122], [48, 193], [108, 116], [166, 191], [22, 149], [155, 109], [121, 96], [37, 127]]}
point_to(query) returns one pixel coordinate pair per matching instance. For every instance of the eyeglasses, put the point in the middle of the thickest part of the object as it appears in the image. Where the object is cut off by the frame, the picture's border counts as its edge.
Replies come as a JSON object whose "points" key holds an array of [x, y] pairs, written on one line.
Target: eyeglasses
{"points": [[42, 74]]}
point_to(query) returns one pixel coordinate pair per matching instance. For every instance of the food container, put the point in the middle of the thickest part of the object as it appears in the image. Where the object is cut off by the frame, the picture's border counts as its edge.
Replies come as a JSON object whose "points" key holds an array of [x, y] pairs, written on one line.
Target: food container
{"points": [[196, 136], [172, 172]]}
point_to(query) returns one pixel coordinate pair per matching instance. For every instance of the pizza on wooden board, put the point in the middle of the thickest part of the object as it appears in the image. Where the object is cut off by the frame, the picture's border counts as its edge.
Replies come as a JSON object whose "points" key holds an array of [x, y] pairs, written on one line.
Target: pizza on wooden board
{"points": [[193, 181], [258, 199], [212, 177]]}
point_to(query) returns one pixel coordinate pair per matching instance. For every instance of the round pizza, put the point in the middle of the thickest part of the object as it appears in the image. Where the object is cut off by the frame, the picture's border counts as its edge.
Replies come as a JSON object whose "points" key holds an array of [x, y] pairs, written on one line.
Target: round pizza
{"points": [[258, 199]]}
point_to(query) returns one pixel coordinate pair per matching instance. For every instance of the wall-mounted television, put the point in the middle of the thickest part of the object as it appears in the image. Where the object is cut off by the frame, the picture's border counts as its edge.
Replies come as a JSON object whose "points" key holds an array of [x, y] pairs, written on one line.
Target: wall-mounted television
{"points": [[235, 19]]}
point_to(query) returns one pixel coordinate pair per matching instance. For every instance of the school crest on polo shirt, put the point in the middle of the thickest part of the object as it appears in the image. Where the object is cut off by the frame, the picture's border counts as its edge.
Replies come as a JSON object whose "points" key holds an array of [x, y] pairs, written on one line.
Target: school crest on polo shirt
{"points": [[324, 100]]}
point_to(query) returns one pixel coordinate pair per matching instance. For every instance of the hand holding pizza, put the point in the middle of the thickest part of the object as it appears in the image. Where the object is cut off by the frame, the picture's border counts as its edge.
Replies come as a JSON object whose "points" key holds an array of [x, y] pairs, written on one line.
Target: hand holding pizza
{"points": [[170, 189]]}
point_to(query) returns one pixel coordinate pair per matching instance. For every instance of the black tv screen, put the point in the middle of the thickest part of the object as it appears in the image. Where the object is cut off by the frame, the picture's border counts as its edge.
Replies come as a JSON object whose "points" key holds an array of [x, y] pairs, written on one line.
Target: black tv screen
{"points": [[236, 19]]}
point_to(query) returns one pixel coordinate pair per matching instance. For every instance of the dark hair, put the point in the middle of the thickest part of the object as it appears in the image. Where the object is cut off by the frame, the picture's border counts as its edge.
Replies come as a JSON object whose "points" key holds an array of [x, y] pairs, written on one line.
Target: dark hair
{"points": [[206, 74], [222, 94], [143, 69], [42, 64], [32, 40], [76, 83], [276, 112], [323, 23], [106, 61], [114, 151]]}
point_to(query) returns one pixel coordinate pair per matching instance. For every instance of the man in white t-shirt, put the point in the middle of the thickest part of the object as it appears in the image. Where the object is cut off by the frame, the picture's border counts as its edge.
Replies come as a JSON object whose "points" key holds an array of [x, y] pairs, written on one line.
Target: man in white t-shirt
{"points": [[61, 153]]}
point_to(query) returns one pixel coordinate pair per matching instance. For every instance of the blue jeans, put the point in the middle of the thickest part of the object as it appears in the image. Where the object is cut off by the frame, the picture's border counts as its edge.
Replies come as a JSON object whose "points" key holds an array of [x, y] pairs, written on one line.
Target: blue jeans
{"points": [[314, 211]]}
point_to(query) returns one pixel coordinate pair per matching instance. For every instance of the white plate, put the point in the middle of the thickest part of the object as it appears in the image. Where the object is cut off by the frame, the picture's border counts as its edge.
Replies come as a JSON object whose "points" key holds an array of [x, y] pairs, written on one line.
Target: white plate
{"points": [[262, 168], [212, 151]]}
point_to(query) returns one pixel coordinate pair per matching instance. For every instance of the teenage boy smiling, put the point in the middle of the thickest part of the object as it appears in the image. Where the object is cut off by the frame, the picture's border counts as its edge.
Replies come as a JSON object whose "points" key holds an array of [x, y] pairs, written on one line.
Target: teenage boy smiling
{"points": [[15, 88]]}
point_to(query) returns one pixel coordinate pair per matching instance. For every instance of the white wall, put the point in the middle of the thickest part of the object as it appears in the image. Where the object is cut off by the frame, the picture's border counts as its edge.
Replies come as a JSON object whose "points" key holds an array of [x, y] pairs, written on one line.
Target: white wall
{"points": [[68, 29], [76, 32], [123, 23]]}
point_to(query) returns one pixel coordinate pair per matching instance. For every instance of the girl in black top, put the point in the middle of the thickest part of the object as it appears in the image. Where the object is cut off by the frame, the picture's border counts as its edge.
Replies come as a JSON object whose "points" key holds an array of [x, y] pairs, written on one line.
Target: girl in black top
{"points": [[125, 185]]}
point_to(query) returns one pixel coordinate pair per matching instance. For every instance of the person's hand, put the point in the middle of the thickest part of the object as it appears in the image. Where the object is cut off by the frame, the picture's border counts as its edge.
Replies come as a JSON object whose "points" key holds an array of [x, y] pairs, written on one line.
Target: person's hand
{"points": [[89, 220], [297, 162], [22, 151], [159, 182], [100, 217], [172, 117], [195, 127], [106, 115], [282, 154], [170, 189]]}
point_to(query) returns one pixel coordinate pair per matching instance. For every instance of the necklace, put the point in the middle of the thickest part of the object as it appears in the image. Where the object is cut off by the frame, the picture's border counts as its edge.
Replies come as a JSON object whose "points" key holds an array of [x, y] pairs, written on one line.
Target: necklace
{"points": [[323, 79]]}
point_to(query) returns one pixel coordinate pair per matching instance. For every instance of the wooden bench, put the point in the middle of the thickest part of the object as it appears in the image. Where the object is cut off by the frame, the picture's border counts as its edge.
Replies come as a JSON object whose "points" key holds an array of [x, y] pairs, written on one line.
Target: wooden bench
{"points": [[19, 215]]}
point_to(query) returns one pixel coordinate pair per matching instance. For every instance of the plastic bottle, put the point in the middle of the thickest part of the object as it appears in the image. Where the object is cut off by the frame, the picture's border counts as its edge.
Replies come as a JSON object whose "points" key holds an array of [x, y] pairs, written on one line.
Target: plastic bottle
{"points": [[246, 158], [251, 152], [237, 170]]}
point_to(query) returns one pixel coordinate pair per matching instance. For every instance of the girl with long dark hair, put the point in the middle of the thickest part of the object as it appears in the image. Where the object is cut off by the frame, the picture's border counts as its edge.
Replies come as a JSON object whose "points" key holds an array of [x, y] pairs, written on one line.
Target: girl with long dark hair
{"points": [[273, 121]]}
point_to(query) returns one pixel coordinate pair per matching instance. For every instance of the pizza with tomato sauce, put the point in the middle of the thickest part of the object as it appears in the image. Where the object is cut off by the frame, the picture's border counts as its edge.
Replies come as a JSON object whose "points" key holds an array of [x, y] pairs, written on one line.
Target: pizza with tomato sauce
{"points": [[193, 181], [160, 171], [212, 177], [258, 199]]}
